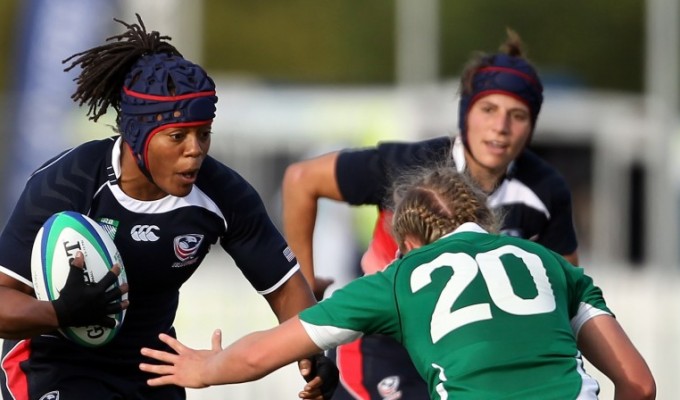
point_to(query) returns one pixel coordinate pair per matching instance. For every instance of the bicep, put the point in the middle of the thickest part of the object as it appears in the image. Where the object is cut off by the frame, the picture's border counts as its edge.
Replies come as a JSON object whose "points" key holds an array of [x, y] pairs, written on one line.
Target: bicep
{"points": [[314, 178]]}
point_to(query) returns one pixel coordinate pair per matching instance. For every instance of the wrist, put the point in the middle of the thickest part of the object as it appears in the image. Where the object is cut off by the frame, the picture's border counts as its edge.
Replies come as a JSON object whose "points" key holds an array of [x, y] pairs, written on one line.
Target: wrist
{"points": [[62, 315]]}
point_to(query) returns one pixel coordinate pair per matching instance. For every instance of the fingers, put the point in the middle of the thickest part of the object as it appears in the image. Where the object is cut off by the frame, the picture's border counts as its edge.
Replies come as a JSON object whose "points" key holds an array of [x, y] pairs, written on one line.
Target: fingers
{"points": [[173, 343], [165, 370], [124, 288], [217, 340], [314, 385], [78, 261], [311, 394], [116, 307], [109, 279], [116, 269], [164, 356], [305, 367], [163, 380]]}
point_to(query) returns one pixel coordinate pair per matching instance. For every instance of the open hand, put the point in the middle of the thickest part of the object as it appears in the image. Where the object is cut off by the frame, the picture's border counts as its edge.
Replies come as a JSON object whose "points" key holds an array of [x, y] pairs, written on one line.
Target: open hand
{"points": [[183, 368]]}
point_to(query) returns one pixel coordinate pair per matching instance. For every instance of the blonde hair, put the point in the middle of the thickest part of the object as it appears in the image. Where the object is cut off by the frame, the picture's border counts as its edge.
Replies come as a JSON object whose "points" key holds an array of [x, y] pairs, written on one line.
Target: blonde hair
{"points": [[430, 203]]}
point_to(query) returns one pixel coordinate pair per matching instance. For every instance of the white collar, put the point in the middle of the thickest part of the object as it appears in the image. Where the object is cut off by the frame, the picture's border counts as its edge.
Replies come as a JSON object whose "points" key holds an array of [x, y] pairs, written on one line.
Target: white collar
{"points": [[467, 227], [458, 154], [116, 157]]}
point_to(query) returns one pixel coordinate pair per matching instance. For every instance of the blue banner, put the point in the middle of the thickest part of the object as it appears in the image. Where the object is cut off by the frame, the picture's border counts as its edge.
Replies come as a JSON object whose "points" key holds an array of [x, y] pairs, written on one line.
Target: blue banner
{"points": [[42, 111]]}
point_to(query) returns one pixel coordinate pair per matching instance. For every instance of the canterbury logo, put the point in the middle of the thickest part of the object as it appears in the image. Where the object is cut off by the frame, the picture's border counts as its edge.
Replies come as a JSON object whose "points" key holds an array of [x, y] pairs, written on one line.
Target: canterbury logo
{"points": [[144, 233]]}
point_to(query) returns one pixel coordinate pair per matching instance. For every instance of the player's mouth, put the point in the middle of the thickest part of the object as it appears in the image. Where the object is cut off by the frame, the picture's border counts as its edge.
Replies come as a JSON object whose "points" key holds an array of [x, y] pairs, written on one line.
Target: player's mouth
{"points": [[496, 147], [188, 177]]}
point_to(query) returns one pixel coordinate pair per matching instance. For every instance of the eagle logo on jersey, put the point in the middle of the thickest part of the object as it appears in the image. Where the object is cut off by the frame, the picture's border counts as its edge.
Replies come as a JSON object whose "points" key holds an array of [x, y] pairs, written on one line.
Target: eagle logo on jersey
{"points": [[186, 246], [53, 395], [388, 388]]}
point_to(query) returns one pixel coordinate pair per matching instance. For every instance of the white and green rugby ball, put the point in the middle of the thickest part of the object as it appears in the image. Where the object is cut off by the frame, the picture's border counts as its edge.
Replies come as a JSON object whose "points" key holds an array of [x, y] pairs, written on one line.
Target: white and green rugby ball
{"points": [[57, 242]]}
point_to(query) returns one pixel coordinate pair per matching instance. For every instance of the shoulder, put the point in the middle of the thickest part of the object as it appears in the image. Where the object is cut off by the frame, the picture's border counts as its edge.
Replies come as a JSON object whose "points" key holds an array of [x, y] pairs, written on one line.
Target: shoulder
{"points": [[214, 173], [416, 153], [226, 187], [538, 174], [88, 154], [411, 152]]}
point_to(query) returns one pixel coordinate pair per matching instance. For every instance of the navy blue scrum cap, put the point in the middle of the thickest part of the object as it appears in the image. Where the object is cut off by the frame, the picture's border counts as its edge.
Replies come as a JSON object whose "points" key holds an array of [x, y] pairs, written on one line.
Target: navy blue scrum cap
{"points": [[162, 91], [504, 74]]}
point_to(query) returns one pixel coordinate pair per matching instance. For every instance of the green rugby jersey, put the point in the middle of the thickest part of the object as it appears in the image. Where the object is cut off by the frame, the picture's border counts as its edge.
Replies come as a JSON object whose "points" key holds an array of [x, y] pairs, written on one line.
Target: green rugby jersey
{"points": [[482, 316]]}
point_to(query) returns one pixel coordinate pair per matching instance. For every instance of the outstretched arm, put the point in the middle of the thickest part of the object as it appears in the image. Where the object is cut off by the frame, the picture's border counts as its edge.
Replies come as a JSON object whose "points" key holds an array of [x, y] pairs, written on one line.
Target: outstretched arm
{"points": [[303, 184], [604, 343], [249, 358]]}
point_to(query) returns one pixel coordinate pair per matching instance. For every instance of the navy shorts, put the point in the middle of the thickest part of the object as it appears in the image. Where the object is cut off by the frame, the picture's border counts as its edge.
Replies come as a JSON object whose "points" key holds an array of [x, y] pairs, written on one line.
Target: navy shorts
{"points": [[377, 367]]}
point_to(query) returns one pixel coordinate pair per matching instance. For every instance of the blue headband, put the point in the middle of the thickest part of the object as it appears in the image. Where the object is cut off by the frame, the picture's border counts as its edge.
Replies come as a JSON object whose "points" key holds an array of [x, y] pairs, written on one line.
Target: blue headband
{"points": [[501, 73], [163, 90]]}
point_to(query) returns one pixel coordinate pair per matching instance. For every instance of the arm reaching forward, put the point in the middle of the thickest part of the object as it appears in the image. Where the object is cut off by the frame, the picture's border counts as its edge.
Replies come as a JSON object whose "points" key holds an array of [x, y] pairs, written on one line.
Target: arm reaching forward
{"points": [[248, 359]]}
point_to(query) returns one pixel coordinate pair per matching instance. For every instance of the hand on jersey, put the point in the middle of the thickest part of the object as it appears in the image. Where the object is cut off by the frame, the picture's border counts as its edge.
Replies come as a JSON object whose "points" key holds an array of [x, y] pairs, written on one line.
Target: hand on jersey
{"points": [[183, 368], [82, 304], [322, 377]]}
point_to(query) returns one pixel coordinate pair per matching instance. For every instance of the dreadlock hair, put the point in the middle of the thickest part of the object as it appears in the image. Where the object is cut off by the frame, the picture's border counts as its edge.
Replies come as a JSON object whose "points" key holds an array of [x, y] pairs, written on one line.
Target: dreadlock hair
{"points": [[104, 67], [431, 203]]}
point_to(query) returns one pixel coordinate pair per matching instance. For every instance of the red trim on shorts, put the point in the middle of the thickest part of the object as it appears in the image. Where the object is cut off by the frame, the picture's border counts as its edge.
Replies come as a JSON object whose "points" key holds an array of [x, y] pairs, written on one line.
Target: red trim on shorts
{"points": [[350, 362], [17, 383]]}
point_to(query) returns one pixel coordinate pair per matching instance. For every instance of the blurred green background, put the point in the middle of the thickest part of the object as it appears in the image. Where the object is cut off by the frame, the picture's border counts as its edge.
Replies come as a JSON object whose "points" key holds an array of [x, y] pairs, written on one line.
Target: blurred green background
{"points": [[597, 44]]}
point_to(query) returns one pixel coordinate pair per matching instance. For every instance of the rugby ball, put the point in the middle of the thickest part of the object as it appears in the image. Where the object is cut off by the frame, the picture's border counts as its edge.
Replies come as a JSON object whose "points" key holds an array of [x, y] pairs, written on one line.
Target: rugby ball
{"points": [[57, 242]]}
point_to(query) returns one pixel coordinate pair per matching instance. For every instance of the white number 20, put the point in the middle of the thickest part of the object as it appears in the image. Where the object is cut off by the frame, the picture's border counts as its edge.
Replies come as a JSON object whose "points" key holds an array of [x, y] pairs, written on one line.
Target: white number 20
{"points": [[465, 269]]}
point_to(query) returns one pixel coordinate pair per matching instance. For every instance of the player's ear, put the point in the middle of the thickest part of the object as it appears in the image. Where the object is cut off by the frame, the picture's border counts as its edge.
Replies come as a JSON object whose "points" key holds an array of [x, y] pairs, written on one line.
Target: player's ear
{"points": [[410, 243]]}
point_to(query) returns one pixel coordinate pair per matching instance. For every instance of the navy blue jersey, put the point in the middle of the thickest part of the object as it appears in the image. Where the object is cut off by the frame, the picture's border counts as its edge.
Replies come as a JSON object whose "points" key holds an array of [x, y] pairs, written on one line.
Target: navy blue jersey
{"points": [[533, 195], [162, 242]]}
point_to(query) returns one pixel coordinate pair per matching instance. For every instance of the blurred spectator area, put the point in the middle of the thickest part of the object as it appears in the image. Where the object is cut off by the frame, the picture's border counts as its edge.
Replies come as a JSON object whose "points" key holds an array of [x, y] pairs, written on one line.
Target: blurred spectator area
{"points": [[593, 138]]}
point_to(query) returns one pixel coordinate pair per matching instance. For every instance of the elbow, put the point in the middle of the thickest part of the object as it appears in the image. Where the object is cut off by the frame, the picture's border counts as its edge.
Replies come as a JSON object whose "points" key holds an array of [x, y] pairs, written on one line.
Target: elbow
{"points": [[643, 388], [294, 176], [647, 390]]}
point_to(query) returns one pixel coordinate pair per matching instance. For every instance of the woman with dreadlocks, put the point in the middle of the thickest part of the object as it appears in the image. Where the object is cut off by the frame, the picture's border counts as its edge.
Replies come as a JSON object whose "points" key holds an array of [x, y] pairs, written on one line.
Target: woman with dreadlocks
{"points": [[164, 201]]}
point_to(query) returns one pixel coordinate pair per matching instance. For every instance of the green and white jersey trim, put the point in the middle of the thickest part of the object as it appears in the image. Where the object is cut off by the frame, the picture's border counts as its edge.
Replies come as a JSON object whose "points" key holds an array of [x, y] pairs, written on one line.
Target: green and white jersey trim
{"points": [[328, 337], [584, 314]]}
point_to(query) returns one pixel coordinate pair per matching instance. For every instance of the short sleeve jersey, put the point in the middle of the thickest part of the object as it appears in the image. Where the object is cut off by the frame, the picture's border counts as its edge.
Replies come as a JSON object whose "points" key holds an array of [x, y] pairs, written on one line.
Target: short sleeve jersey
{"points": [[533, 196], [161, 242], [482, 316]]}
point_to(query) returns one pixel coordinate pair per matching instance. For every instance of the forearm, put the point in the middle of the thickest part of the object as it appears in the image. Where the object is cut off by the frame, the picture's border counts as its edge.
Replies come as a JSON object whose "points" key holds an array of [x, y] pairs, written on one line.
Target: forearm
{"points": [[258, 354], [294, 296], [240, 362], [22, 315], [604, 343], [299, 220], [304, 183]]}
